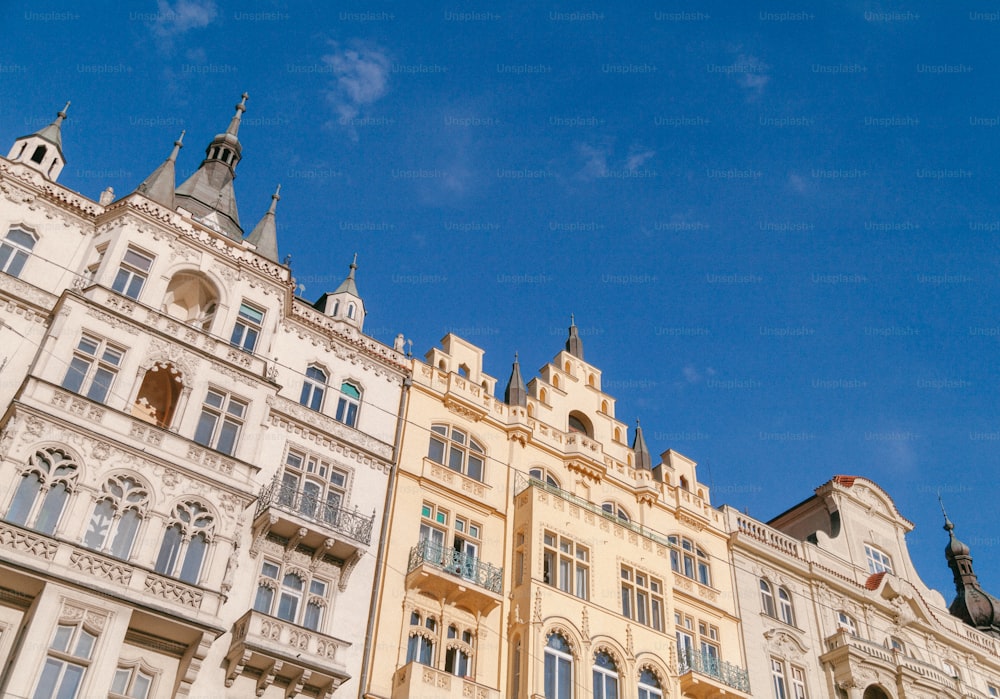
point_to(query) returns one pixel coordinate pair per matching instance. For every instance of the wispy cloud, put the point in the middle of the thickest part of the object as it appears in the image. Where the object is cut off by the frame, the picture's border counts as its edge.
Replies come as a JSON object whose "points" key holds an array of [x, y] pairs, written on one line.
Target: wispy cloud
{"points": [[182, 16], [693, 375], [751, 73], [600, 162], [361, 77]]}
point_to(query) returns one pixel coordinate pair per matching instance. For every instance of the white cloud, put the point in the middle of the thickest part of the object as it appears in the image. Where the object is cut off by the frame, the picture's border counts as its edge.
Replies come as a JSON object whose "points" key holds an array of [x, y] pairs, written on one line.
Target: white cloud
{"points": [[751, 73], [636, 160], [361, 77], [599, 161], [595, 162], [182, 16]]}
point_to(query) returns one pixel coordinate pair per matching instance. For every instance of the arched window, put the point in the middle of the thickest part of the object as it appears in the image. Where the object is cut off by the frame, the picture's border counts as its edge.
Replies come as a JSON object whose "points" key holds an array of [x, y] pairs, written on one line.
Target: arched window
{"points": [[615, 510], [458, 658], [542, 395], [605, 677], [874, 692], [43, 490], [544, 476], [192, 299], [457, 450], [578, 423], [15, 250], [767, 599], [689, 560], [649, 685], [117, 515], [351, 310], [39, 155], [348, 404], [157, 399], [558, 668], [185, 541], [313, 388], [555, 380], [420, 646], [785, 607]]}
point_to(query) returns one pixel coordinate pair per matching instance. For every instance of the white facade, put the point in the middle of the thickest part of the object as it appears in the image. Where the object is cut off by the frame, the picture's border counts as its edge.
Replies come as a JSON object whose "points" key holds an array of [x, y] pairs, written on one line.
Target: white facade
{"points": [[194, 461]]}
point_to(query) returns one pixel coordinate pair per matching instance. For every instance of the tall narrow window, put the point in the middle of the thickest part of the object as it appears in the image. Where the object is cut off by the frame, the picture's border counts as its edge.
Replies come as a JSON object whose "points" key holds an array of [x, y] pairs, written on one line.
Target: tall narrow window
{"points": [[689, 560], [785, 607], [798, 677], [221, 420], [15, 250], [420, 644], [313, 488], [313, 388], [93, 368], [247, 329], [348, 404], [778, 679], [558, 668], [44, 488], [767, 599], [115, 520], [605, 677], [132, 273], [158, 394], [185, 542], [566, 565]]}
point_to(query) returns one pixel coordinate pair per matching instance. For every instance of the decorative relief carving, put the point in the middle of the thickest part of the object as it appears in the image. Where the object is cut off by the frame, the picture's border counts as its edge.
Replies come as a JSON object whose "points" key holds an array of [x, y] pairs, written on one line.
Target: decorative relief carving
{"points": [[37, 546], [108, 319], [174, 592], [101, 567]]}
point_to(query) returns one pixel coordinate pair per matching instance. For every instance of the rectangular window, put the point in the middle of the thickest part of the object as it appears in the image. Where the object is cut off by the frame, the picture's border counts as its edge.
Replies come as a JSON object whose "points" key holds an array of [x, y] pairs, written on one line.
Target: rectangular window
{"points": [[132, 273], [67, 662], [798, 683], [878, 562], [778, 679], [247, 328], [221, 420], [93, 368], [565, 565], [642, 598]]}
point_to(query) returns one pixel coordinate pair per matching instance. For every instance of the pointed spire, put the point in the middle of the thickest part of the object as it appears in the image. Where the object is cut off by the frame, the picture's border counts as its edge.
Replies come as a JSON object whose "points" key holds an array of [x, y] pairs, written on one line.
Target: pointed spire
{"points": [[516, 393], [972, 604], [234, 124], [208, 193], [574, 345], [642, 458], [264, 236], [53, 132], [159, 186], [348, 284]]}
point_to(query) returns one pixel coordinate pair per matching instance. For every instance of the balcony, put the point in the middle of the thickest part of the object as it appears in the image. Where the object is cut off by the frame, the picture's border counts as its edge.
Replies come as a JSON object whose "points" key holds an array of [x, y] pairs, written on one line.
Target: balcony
{"points": [[845, 652], [454, 577], [303, 517], [278, 652], [416, 681], [703, 676]]}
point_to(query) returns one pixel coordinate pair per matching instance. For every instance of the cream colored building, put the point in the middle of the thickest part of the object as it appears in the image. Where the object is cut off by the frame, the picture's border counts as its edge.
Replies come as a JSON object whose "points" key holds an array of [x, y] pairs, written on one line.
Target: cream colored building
{"points": [[832, 606], [195, 460], [531, 552]]}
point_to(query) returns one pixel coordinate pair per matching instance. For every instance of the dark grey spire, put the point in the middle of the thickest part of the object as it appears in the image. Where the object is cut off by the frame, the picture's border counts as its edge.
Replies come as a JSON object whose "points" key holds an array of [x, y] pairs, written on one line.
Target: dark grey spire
{"points": [[574, 345], [53, 132], [642, 458], [348, 285], [159, 186], [972, 604], [264, 236], [208, 193], [516, 393], [42, 150]]}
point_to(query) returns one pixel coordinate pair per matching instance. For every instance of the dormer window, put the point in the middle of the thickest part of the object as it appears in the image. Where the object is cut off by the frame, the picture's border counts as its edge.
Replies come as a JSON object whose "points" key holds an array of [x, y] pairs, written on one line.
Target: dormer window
{"points": [[579, 424], [878, 561]]}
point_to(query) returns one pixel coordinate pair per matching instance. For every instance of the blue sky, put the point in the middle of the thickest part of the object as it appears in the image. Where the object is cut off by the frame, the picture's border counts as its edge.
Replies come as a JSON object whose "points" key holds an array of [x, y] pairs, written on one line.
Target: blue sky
{"points": [[776, 223]]}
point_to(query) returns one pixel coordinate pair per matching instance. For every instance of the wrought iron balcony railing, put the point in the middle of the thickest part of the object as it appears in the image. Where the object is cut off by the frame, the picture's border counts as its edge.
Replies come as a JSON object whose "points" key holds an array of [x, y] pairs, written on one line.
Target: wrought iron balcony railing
{"points": [[690, 660], [458, 563], [311, 506]]}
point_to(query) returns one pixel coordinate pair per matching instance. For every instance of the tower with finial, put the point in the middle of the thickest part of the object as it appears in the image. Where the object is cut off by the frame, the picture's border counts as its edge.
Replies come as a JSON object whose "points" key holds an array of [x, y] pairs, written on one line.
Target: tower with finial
{"points": [[208, 193], [42, 150], [574, 345], [972, 604], [264, 236], [345, 303]]}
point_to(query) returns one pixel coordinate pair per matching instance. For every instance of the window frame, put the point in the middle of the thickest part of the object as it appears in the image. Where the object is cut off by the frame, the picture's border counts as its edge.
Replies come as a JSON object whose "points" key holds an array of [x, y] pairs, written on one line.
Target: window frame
{"points": [[311, 603], [847, 622], [33, 505], [605, 679], [130, 272], [561, 666], [649, 684], [133, 499], [191, 520], [797, 682], [314, 387], [13, 253], [540, 473], [687, 558], [62, 658], [457, 453], [421, 639], [566, 564], [878, 560], [779, 682], [643, 599], [93, 357], [348, 406], [222, 416], [135, 670], [247, 328]]}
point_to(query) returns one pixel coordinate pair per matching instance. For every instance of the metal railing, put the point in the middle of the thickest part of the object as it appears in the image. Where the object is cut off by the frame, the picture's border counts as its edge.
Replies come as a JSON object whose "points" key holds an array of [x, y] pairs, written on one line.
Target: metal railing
{"points": [[310, 506], [458, 563], [690, 660]]}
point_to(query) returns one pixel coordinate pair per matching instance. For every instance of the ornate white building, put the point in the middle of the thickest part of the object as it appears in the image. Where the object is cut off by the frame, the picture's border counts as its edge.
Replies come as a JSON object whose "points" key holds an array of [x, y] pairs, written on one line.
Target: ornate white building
{"points": [[832, 606], [193, 460]]}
